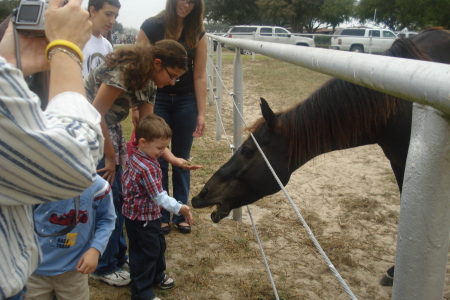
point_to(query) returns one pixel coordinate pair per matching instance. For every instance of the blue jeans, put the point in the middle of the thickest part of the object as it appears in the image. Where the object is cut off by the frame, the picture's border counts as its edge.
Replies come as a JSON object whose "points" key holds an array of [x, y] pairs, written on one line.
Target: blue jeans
{"points": [[147, 261], [115, 254], [180, 112]]}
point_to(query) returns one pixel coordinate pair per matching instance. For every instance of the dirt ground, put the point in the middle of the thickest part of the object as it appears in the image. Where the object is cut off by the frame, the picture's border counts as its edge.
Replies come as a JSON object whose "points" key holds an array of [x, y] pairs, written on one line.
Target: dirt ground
{"points": [[349, 199]]}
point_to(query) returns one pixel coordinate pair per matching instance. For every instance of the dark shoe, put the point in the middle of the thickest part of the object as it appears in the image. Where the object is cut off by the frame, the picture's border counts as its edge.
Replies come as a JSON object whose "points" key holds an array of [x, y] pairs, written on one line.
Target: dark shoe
{"points": [[184, 228], [166, 229], [166, 284]]}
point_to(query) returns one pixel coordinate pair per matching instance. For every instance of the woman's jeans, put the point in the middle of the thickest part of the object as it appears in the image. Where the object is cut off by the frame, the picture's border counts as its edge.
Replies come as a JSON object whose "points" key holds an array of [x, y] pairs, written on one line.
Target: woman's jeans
{"points": [[180, 112], [115, 254]]}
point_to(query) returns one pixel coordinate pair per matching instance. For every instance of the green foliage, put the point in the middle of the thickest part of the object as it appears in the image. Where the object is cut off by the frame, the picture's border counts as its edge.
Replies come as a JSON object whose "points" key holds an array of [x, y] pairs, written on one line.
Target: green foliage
{"points": [[6, 6], [412, 14], [117, 27], [231, 12], [309, 14], [335, 12]]}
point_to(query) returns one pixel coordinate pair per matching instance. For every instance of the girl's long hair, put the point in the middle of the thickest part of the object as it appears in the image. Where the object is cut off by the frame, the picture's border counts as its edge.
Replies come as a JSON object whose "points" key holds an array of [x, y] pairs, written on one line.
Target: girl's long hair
{"points": [[192, 23], [136, 61]]}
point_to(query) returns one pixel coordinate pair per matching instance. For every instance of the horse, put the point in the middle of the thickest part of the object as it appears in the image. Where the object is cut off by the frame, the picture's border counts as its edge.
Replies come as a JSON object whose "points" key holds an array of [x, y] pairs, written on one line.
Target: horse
{"points": [[337, 116]]}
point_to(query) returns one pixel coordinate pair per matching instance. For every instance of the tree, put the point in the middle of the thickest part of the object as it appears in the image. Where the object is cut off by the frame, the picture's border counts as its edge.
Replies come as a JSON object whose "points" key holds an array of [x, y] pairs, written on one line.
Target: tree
{"points": [[117, 27], [231, 12], [6, 6], [412, 14], [299, 13], [130, 31], [335, 12]]}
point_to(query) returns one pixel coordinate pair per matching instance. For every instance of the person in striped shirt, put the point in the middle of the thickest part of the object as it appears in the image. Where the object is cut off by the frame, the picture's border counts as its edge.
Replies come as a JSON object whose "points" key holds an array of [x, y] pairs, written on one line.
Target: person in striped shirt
{"points": [[44, 155]]}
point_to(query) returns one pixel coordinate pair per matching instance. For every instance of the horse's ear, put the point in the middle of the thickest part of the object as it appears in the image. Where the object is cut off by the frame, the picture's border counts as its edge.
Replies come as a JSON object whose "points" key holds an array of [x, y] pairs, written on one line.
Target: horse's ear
{"points": [[268, 114]]}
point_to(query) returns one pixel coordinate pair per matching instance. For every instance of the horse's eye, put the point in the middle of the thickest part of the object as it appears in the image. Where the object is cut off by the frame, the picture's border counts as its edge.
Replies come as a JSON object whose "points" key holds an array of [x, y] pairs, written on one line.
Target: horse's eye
{"points": [[247, 151]]}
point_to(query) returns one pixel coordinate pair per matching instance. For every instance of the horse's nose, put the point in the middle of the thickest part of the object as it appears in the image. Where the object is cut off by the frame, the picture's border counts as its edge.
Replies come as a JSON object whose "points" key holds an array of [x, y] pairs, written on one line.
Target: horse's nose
{"points": [[203, 193]]}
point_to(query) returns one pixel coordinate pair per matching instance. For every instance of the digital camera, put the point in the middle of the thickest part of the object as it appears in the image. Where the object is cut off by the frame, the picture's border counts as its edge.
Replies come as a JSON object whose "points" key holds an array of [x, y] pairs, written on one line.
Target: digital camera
{"points": [[29, 18]]}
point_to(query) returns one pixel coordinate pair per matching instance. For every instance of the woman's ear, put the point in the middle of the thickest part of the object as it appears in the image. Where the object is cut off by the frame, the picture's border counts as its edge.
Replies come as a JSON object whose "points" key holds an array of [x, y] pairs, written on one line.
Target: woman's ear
{"points": [[157, 63]]}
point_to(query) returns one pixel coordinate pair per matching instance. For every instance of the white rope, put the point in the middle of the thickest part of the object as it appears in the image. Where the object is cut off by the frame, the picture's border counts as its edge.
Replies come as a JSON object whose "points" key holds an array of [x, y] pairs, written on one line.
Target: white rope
{"points": [[248, 208], [302, 220]]}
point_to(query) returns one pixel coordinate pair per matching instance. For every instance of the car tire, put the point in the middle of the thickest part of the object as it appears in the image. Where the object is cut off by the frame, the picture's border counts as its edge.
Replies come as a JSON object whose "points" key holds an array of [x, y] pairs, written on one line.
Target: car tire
{"points": [[357, 49], [304, 45]]}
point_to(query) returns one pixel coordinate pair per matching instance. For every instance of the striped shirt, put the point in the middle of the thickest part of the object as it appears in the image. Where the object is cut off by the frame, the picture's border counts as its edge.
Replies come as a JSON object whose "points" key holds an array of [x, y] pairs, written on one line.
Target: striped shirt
{"points": [[142, 189], [44, 156]]}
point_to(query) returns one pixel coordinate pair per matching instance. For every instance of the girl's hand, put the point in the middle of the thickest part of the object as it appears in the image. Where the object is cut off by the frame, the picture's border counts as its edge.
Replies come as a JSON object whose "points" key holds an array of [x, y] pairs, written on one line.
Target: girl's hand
{"points": [[184, 164], [201, 126], [109, 169], [88, 261]]}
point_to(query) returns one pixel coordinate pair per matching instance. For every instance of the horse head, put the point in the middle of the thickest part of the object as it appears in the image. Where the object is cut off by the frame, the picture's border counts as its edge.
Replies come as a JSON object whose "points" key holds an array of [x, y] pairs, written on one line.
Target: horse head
{"points": [[246, 178]]}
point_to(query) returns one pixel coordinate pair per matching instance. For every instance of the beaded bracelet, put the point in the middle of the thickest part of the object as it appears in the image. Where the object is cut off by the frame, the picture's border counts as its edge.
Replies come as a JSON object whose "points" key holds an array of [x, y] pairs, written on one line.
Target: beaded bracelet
{"points": [[50, 54], [67, 44]]}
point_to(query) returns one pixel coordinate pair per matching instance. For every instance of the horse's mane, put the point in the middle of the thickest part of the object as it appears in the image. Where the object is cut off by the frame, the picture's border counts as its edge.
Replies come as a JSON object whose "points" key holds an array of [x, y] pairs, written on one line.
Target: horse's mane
{"points": [[339, 112]]}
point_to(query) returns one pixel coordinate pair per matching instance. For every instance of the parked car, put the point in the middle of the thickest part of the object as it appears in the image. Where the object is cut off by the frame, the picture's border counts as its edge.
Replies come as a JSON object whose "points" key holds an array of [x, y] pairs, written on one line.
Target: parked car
{"points": [[273, 34], [363, 40], [405, 34], [215, 42]]}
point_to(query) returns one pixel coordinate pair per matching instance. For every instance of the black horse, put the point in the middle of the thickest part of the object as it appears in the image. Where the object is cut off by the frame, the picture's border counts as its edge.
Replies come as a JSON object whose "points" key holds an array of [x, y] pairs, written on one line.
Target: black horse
{"points": [[337, 116]]}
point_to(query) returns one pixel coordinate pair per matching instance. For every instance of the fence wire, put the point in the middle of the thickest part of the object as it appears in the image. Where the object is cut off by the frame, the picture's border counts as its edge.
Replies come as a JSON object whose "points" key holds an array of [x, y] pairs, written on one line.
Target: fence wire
{"points": [[302, 220]]}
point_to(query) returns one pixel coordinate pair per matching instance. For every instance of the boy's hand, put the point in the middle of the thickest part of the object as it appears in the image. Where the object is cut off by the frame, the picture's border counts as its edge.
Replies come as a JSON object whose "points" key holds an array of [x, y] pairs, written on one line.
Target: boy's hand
{"points": [[88, 261], [186, 212]]}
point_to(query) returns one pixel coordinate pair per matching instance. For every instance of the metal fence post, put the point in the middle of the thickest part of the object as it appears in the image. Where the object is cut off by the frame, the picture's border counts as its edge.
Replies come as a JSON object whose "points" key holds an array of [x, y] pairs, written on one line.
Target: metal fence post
{"points": [[238, 90], [423, 233], [218, 91], [209, 71]]}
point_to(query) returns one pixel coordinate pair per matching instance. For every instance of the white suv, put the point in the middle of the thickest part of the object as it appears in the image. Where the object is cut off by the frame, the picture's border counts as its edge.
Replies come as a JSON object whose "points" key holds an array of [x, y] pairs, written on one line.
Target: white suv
{"points": [[362, 40], [273, 34]]}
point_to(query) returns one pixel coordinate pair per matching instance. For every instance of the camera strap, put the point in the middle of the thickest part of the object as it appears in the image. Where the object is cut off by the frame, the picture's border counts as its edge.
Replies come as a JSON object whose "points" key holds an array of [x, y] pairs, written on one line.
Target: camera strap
{"points": [[66, 230]]}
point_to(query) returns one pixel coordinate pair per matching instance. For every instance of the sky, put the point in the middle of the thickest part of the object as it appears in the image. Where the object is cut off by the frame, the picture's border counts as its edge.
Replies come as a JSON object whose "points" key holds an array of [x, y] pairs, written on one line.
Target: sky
{"points": [[133, 12]]}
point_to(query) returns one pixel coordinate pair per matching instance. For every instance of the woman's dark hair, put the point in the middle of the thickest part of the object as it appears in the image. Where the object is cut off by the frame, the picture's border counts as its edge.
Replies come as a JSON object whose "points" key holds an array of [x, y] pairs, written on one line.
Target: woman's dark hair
{"points": [[136, 61], [192, 23]]}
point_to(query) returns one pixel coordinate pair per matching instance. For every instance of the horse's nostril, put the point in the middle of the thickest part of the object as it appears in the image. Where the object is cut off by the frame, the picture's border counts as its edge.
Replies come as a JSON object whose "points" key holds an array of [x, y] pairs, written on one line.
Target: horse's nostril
{"points": [[203, 193]]}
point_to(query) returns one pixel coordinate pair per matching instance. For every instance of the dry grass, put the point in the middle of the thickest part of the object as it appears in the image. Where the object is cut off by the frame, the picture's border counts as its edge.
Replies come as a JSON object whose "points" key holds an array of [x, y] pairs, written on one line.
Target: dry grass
{"points": [[222, 261]]}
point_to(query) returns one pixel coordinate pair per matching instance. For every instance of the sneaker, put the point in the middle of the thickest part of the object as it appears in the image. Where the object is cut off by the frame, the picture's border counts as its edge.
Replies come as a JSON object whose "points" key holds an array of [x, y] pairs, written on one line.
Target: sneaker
{"points": [[118, 278], [125, 266], [166, 284], [155, 298]]}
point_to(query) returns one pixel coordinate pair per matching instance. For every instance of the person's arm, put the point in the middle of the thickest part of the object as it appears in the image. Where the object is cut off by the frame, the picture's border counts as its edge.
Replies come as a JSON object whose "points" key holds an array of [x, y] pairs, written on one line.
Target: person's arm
{"points": [[105, 218], [178, 161], [145, 109], [142, 38], [103, 101], [200, 85], [49, 155]]}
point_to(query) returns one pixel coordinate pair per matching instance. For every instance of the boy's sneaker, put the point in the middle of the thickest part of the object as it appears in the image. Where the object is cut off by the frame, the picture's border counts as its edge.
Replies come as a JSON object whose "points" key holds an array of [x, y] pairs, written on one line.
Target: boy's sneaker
{"points": [[117, 278], [125, 267], [166, 284], [155, 298]]}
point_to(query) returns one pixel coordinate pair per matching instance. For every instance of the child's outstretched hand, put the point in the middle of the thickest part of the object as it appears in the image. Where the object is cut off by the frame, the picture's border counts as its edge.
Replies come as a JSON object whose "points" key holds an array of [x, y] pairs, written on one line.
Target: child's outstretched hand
{"points": [[88, 261], [186, 212]]}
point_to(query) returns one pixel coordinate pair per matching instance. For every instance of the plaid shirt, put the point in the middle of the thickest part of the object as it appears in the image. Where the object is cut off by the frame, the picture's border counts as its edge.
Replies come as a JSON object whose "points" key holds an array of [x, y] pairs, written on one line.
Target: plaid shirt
{"points": [[141, 182]]}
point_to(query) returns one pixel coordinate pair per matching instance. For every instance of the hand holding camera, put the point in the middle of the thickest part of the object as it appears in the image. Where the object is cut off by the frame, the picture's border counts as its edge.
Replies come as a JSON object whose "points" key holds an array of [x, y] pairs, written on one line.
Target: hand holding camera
{"points": [[70, 22]]}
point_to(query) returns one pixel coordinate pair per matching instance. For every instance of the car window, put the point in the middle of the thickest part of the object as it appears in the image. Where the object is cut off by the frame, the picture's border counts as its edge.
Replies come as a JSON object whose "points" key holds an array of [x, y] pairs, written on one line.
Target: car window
{"points": [[388, 34], [266, 31], [243, 29], [374, 33], [281, 32], [357, 32]]}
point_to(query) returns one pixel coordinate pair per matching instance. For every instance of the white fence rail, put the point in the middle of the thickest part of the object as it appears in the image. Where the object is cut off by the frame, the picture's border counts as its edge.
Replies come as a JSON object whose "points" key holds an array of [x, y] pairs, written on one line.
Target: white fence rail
{"points": [[424, 223]]}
